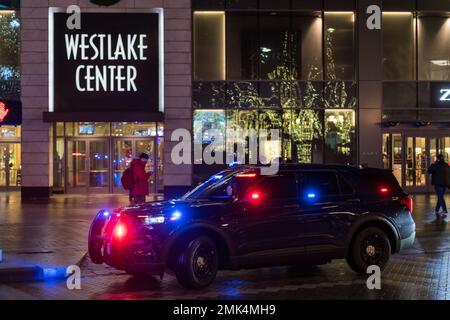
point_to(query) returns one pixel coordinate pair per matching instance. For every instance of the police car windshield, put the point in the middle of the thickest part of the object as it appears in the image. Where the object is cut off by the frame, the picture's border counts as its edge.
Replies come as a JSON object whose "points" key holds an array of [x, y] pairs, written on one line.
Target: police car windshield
{"points": [[223, 185]]}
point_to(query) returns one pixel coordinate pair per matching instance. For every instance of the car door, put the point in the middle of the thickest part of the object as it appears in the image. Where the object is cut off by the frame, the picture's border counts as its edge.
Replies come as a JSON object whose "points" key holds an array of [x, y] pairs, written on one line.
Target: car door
{"points": [[267, 215], [320, 201]]}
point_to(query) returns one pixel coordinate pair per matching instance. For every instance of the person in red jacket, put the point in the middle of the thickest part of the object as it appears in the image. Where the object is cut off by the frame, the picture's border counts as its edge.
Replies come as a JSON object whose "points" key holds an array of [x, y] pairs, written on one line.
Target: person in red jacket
{"points": [[140, 189]]}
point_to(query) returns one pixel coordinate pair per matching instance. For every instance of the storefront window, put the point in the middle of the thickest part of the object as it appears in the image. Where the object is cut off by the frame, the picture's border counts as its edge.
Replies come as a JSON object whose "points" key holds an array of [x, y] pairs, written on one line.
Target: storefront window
{"points": [[392, 154], [387, 151], [274, 55], [242, 47], [339, 136], [209, 126], [275, 46], [135, 129], [209, 45], [307, 133], [415, 162], [9, 45], [307, 43], [88, 157], [339, 46], [59, 129], [434, 48], [399, 61], [10, 132], [160, 129], [58, 164], [87, 129], [10, 156], [10, 164], [272, 147]]}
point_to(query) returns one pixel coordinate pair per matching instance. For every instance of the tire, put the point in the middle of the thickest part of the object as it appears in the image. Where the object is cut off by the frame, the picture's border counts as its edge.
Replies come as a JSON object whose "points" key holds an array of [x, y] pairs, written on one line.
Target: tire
{"points": [[370, 247], [197, 263], [95, 242]]}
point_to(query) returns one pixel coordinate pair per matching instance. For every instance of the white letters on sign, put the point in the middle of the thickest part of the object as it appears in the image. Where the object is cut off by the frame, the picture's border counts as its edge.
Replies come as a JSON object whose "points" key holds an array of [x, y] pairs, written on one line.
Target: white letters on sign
{"points": [[445, 95]]}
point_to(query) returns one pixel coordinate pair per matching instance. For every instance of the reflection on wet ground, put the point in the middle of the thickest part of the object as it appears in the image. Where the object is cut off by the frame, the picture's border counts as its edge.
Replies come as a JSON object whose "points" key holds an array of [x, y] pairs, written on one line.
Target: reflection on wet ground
{"points": [[419, 273]]}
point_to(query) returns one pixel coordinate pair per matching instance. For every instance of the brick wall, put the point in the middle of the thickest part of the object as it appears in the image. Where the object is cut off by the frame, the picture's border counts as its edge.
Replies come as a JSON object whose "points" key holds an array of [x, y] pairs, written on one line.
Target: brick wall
{"points": [[36, 142]]}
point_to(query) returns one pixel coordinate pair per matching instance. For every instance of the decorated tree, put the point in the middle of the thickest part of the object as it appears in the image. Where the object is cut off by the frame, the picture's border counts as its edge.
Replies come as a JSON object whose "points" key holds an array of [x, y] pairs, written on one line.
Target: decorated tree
{"points": [[9, 46]]}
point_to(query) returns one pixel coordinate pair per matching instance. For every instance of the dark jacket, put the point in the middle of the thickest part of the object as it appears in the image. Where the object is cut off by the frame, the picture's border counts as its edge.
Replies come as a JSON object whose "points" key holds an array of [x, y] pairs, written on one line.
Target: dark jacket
{"points": [[140, 178], [440, 174]]}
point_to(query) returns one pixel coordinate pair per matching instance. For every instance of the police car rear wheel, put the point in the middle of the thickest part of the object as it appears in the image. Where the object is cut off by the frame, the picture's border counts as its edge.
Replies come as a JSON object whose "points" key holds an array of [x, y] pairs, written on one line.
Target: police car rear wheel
{"points": [[370, 247], [197, 263]]}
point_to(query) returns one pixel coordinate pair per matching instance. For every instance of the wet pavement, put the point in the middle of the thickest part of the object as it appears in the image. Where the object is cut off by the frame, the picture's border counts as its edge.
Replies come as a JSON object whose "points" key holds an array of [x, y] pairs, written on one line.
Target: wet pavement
{"points": [[60, 228]]}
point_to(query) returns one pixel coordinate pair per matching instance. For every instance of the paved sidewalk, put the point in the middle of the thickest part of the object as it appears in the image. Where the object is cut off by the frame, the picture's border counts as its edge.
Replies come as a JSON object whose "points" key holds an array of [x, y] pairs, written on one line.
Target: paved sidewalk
{"points": [[418, 273], [48, 233]]}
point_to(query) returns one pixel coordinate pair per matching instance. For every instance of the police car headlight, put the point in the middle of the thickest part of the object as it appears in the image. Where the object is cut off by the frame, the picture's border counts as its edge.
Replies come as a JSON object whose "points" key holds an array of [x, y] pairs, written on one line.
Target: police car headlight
{"points": [[154, 220]]}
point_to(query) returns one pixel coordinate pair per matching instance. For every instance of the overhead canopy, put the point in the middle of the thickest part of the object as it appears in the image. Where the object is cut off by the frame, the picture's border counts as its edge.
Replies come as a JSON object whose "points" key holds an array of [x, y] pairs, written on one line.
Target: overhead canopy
{"points": [[103, 116]]}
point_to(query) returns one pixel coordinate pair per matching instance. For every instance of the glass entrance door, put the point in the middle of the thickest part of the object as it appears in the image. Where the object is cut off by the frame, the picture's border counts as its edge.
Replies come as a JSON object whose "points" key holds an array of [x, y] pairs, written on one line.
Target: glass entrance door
{"points": [[10, 165], [122, 157], [416, 163], [126, 149], [409, 157], [88, 165], [440, 146], [148, 146]]}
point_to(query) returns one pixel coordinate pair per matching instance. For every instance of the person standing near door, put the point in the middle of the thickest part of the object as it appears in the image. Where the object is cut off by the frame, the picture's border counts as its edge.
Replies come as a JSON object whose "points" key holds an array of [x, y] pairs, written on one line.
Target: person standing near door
{"points": [[140, 188], [440, 179]]}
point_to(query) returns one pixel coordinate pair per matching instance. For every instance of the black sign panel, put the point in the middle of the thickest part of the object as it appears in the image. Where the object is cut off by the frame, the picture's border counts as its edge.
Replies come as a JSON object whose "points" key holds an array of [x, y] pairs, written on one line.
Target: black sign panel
{"points": [[10, 112], [440, 94], [110, 64], [104, 2]]}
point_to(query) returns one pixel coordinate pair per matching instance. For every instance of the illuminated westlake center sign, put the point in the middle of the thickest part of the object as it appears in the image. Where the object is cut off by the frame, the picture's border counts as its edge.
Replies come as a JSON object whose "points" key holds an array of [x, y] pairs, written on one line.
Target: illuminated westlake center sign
{"points": [[103, 47], [112, 63]]}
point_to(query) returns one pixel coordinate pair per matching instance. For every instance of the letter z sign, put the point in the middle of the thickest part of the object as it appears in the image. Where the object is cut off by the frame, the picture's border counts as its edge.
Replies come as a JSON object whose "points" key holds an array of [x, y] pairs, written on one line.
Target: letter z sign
{"points": [[445, 95], [440, 94]]}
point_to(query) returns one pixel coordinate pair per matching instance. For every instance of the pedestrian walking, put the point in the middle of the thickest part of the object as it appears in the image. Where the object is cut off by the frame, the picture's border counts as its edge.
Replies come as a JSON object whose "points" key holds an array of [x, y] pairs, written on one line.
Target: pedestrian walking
{"points": [[440, 179], [135, 179]]}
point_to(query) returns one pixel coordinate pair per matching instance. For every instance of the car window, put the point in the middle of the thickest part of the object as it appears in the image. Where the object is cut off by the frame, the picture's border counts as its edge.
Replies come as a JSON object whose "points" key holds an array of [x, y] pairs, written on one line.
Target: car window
{"points": [[223, 185], [318, 184], [345, 187], [280, 186], [370, 183]]}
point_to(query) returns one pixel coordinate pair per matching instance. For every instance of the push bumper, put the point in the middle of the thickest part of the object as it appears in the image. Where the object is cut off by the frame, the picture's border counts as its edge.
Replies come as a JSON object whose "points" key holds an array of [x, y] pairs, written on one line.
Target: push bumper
{"points": [[135, 263], [134, 258], [407, 242]]}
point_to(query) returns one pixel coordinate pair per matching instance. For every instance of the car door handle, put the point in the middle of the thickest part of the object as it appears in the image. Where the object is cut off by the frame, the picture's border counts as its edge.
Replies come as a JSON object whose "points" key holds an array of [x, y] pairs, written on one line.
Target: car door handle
{"points": [[290, 206], [329, 207], [356, 200]]}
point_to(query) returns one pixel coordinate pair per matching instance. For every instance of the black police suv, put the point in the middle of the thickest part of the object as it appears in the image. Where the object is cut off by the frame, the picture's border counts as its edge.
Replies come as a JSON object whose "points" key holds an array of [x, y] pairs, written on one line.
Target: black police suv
{"points": [[238, 218]]}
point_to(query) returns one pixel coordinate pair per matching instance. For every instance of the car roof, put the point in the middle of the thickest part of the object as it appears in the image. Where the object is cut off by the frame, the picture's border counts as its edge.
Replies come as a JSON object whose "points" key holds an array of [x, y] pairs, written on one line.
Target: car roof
{"points": [[306, 166]]}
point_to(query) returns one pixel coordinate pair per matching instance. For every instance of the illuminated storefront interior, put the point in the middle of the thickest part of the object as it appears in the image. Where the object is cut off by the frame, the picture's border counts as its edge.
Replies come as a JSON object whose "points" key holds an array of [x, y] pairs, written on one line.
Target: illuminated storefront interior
{"points": [[10, 157], [276, 70], [10, 129], [416, 58], [91, 156]]}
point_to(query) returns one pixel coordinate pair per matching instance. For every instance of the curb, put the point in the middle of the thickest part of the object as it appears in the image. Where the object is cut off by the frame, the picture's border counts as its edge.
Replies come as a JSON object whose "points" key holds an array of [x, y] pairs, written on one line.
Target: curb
{"points": [[35, 272], [82, 259], [20, 274]]}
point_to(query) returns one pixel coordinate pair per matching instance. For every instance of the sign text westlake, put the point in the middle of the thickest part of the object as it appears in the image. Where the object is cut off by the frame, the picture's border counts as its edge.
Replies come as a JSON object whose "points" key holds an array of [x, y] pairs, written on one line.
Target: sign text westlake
{"points": [[101, 47], [110, 64]]}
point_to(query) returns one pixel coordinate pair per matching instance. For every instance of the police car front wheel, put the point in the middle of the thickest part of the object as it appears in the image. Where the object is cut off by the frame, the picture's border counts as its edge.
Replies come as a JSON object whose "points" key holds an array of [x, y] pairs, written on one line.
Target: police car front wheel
{"points": [[197, 264]]}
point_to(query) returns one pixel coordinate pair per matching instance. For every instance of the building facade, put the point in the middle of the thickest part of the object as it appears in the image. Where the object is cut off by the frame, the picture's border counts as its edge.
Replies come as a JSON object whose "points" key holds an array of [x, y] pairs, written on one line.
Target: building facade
{"points": [[337, 90]]}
